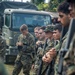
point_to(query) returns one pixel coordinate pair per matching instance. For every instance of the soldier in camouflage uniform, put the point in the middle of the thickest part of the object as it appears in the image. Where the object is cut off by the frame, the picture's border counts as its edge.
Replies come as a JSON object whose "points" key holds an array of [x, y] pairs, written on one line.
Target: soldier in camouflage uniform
{"points": [[49, 35], [56, 35], [70, 55], [36, 30], [69, 59], [64, 19], [26, 47], [50, 43], [39, 49], [2, 47]]}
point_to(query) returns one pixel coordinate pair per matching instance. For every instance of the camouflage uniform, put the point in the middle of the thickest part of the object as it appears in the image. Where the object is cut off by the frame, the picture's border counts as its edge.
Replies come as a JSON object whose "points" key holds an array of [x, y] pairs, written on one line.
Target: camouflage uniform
{"points": [[25, 56], [38, 58], [2, 48], [58, 49], [69, 59], [50, 44]]}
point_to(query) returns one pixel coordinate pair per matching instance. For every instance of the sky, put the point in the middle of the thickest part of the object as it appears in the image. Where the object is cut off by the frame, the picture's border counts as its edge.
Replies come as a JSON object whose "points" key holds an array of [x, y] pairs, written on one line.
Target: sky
{"points": [[30, 0], [23, 0]]}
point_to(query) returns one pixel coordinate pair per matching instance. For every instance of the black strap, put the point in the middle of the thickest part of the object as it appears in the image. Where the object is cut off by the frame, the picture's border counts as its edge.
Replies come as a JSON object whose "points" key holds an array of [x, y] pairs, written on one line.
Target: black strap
{"points": [[45, 70]]}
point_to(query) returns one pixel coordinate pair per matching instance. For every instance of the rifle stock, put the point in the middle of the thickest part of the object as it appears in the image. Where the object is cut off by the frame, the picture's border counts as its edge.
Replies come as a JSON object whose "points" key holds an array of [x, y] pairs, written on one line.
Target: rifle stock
{"points": [[71, 32]]}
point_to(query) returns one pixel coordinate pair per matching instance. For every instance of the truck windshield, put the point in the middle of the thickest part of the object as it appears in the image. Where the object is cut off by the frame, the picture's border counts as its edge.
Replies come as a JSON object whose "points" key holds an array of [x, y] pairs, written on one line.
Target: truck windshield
{"points": [[29, 19]]}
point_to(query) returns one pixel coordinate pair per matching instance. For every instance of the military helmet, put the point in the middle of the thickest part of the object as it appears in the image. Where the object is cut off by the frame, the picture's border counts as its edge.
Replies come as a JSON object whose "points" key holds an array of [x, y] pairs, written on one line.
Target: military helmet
{"points": [[49, 28]]}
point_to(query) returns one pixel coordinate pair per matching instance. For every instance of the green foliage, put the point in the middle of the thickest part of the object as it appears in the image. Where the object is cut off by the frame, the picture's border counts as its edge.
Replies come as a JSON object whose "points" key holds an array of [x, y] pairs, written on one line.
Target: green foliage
{"points": [[43, 6], [51, 6], [37, 1]]}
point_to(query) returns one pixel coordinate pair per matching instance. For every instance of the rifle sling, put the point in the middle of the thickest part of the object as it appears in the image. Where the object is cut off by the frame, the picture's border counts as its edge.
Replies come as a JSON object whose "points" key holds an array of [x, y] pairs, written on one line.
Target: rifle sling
{"points": [[45, 70]]}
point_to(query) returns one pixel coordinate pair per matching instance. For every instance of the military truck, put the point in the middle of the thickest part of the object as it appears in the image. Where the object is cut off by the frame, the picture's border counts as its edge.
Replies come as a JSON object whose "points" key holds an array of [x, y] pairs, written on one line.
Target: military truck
{"points": [[13, 19]]}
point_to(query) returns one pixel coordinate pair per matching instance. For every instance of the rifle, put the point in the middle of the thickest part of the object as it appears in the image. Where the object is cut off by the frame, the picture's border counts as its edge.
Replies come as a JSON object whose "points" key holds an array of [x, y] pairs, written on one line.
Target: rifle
{"points": [[63, 51], [50, 68], [41, 64]]}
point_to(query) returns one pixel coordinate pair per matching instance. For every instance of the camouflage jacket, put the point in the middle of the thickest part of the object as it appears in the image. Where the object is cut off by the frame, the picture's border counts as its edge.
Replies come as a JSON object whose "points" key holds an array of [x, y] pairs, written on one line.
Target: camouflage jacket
{"points": [[29, 44], [59, 47], [69, 59], [50, 44]]}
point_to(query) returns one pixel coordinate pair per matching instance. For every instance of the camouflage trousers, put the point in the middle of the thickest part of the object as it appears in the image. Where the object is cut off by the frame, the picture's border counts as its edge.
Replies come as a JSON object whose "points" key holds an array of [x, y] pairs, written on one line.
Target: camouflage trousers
{"points": [[36, 66], [24, 62]]}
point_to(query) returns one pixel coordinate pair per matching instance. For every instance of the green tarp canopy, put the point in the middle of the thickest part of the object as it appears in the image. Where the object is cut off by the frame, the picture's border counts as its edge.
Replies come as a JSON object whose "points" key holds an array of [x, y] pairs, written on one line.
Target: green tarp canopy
{"points": [[15, 5]]}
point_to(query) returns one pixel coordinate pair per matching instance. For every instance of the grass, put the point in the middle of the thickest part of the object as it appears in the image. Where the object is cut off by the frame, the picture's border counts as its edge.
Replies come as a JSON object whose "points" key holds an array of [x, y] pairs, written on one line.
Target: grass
{"points": [[10, 67]]}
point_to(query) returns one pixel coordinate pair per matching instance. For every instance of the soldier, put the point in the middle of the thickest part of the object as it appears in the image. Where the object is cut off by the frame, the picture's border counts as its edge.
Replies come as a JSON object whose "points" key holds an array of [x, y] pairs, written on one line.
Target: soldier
{"points": [[71, 8], [26, 46], [64, 19], [56, 35], [37, 37], [39, 51], [57, 31], [70, 55], [49, 35], [2, 47], [50, 43], [36, 29]]}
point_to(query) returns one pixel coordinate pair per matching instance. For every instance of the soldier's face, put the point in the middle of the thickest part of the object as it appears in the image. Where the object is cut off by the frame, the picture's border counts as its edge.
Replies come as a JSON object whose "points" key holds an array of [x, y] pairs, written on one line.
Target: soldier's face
{"points": [[64, 19], [36, 33], [72, 10], [24, 32], [41, 34], [56, 35], [49, 34]]}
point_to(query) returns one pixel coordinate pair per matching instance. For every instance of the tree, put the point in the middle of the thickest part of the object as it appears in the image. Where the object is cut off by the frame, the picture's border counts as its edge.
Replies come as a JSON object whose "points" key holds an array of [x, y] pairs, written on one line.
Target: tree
{"points": [[37, 1], [53, 4], [43, 6]]}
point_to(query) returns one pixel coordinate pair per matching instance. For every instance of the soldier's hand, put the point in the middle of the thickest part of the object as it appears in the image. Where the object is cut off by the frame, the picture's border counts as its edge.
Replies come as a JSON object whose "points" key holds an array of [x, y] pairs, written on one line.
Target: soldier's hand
{"points": [[33, 66], [19, 44], [52, 52], [38, 42], [47, 58]]}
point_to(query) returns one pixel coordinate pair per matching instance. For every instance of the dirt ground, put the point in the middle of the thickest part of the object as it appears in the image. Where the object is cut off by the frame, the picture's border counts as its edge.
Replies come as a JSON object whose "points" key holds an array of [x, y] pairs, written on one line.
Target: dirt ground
{"points": [[10, 67]]}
